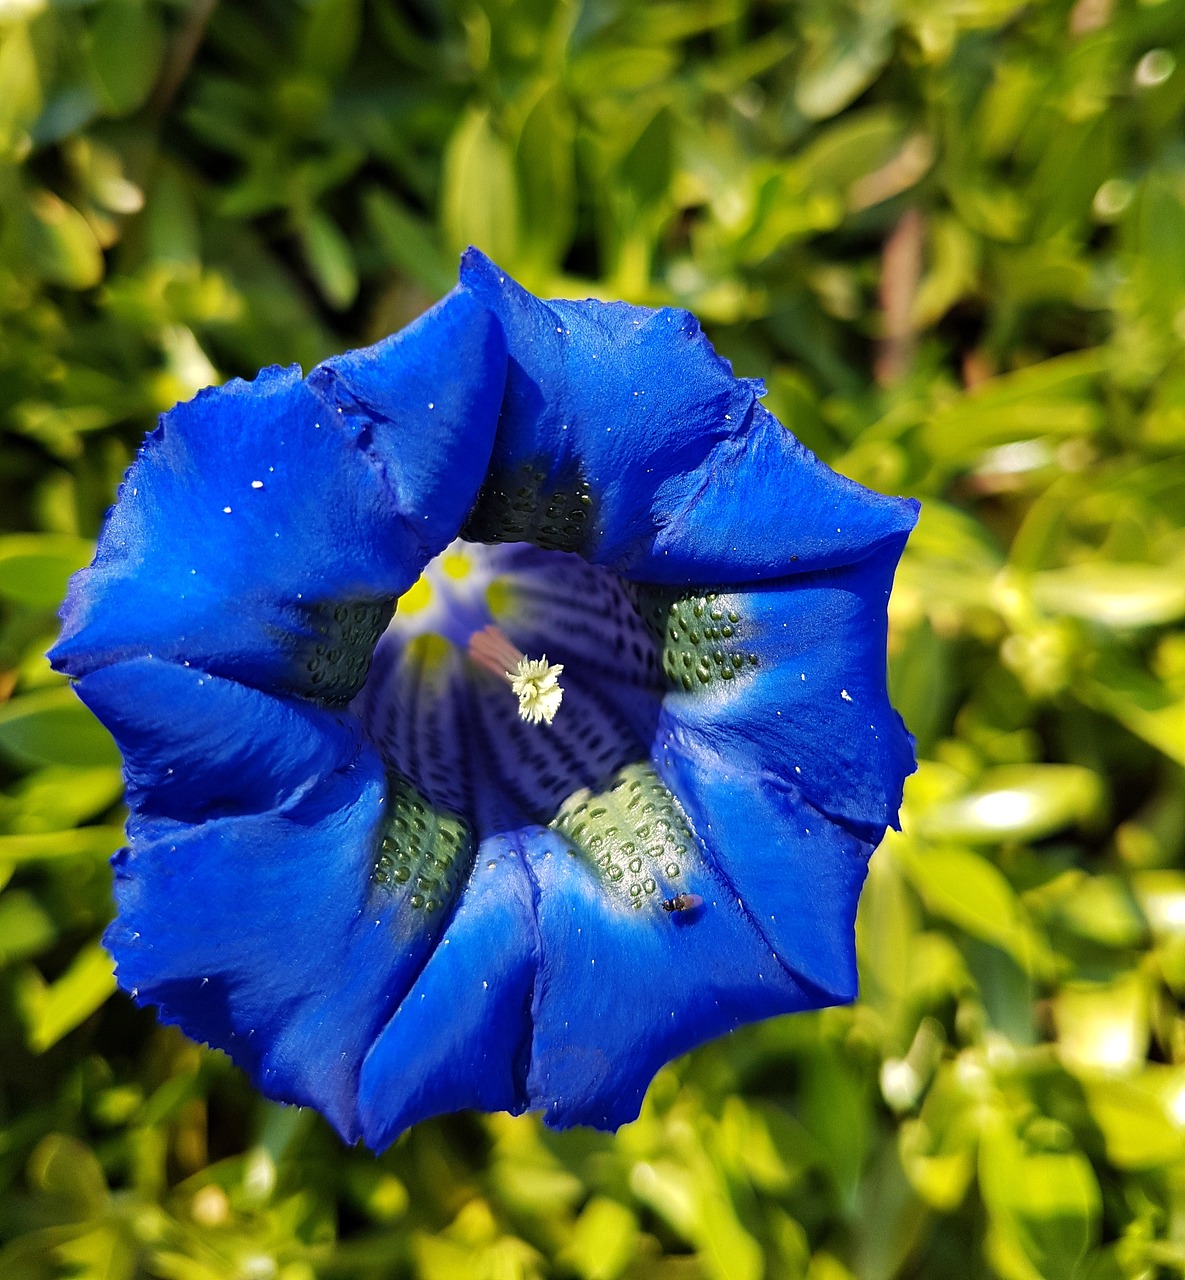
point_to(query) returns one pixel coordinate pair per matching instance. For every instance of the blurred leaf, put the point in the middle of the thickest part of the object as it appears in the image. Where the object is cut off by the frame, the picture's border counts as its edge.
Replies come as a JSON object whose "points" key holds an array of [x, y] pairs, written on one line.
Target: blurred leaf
{"points": [[479, 202], [59, 244], [545, 171], [1103, 1025], [1161, 895], [126, 47], [81, 842], [1102, 909], [1140, 1131], [1050, 398], [21, 102], [25, 926], [35, 567], [52, 1011], [1044, 1206], [967, 890], [68, 1171], [408, 243], [843, 60], [1140, 703], [53, 727], [1018, 802], [1114, 595], [603, 1241], [330, 259], [330, 34], [938, 1148]]}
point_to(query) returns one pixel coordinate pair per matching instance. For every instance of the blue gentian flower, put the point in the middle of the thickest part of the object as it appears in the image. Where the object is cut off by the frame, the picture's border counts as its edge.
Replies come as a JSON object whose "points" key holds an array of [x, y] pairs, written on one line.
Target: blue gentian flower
{"points": [[503, 711]]}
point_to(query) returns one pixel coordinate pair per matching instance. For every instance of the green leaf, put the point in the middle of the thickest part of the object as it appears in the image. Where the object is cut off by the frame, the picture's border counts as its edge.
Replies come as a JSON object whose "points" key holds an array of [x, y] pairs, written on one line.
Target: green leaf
{"points": [[330, 259], [126, 49], [26, 928], [969, 891], [1045, 1204], [1103, 1025], [35, 567], [1137, 1117], [51, 726], [938, 1149], [69, 1171], [59, 243], [330, 34], [545, 171], [1114, 595], [1049, 398], [603, 1240], [49, 846], [843, 60], [1016, 802], [1140, 702], [53, 1011], [21, 101], [480, 203], [408, 243], [56, 797]]}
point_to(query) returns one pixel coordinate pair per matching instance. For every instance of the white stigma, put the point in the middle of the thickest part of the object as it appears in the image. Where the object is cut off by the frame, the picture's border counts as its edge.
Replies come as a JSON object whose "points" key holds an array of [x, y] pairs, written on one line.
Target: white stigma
{"points": [[534, 681]]}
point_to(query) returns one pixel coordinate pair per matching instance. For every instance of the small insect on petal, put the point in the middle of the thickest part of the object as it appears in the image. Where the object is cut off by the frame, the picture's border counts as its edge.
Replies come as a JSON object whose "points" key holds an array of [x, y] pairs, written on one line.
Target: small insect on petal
{"points": [[682, 902]]}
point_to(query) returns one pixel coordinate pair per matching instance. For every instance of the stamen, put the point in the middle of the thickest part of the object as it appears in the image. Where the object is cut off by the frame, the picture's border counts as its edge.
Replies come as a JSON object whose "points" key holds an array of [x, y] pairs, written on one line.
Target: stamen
{"points": [[534, 681]]}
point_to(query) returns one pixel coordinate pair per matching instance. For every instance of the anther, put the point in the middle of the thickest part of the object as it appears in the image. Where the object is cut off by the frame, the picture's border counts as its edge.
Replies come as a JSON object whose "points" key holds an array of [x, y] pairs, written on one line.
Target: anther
{"points": [[534, 681]]}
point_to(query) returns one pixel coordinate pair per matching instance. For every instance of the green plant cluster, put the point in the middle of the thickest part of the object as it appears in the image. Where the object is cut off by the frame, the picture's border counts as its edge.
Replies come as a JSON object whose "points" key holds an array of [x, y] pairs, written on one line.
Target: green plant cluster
{"points": [[951, 236]]}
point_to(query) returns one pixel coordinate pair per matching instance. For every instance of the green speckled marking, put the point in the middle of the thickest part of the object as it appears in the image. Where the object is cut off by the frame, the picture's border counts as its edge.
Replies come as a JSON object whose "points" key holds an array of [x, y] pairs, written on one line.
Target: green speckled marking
{"points": [[335, 658], [634, 834], [529, 505], [700, 637], [425, 853]]}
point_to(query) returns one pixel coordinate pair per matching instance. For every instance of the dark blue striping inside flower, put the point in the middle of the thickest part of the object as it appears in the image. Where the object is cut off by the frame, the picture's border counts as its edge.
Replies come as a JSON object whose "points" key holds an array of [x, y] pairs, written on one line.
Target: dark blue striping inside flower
{"points": [[454, 729], [398, 865]]}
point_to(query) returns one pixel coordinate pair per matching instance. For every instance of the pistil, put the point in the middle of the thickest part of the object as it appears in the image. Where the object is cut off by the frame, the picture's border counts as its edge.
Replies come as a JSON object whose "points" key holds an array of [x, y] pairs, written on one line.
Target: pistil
{"points": [[534, 681]]}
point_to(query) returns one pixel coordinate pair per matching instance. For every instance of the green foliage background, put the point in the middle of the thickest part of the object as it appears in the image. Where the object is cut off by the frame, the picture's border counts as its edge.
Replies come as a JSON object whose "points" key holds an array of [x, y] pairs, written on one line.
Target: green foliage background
{"points": [[951, 236]]}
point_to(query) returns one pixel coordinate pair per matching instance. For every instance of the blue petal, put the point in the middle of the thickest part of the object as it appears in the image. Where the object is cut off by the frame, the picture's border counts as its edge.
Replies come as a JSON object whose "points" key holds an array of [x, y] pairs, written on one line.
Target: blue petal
{"points": [[263, 931], [622, 991], [796, 872], [809, 704], [428, 396], [263, 532], [626, 438], [197, 747], [461, 1038]]}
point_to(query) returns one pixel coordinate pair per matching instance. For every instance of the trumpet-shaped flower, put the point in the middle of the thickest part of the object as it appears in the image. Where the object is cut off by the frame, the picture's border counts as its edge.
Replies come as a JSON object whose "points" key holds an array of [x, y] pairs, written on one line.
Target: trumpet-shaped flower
{"points": [[379, 851]]}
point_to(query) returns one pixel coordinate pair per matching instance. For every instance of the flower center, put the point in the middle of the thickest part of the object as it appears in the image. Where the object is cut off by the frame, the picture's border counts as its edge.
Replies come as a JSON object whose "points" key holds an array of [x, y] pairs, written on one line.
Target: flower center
{"points": [[463, 697], [534, 681], [464, 690]]}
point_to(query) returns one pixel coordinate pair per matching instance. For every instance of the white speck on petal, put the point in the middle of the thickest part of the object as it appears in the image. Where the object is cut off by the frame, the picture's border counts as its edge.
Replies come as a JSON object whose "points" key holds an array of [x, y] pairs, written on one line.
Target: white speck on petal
{"points": [[226, 510], [845, 695], [256, 484]]}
